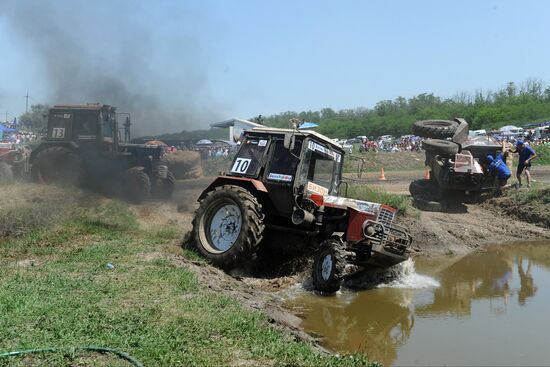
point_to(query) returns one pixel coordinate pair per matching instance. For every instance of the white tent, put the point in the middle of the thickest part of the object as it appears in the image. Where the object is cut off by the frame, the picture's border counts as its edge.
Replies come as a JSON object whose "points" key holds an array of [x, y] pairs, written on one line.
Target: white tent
{"points": [[236, 127]]}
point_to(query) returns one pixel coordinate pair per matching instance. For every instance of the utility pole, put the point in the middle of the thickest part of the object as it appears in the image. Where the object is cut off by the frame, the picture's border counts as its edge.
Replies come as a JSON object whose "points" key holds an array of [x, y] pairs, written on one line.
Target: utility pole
{"points": [[6, 116], [27, 102]]}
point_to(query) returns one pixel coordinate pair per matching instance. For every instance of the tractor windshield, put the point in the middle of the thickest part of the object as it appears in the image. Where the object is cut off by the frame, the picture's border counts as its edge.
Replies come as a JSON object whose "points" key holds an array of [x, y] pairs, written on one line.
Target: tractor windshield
{"points": [[249, 158], [321, 169]]}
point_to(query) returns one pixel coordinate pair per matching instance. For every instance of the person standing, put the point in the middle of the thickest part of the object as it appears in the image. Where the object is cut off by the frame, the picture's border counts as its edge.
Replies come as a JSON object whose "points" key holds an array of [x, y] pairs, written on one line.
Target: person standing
{"points": [[526, 155]]}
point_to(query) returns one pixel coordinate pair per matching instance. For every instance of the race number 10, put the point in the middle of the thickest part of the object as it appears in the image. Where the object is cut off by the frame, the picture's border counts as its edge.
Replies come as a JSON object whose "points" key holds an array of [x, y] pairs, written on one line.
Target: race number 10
{"points": [[241, 165]]}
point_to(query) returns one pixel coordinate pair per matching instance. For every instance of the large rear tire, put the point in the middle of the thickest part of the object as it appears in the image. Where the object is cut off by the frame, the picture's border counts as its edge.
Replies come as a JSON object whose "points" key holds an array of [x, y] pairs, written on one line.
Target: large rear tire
{"points": [[136, 185], [163, 188], [328, 266], [435, 129], [228, 226], [443, 148], [58, 165]]}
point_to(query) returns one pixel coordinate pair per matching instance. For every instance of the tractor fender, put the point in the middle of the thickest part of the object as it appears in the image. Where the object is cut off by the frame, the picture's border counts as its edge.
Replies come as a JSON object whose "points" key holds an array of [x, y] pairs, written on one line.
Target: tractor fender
{"points": [[70, 145], [244, 182]]}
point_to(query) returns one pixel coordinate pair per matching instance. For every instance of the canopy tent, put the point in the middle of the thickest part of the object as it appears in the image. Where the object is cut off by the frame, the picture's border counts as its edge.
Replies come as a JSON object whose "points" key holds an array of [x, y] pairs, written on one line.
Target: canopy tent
{"points": [[510, 128], [308, 125], [5, 129], [204, 142]]}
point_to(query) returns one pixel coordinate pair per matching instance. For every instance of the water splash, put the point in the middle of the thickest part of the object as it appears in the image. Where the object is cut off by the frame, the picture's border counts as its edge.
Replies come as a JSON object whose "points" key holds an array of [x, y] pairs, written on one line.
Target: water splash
{"points": [[405, 276]]}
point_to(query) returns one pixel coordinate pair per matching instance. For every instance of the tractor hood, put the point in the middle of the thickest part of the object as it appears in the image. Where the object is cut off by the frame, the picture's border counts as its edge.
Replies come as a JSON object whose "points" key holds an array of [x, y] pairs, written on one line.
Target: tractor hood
{"points": [[347, 203]]}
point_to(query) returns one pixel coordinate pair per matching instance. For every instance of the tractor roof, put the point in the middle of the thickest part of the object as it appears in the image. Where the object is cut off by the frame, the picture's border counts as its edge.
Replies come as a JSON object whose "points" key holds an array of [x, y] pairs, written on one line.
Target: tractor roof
{"points": [[87, 106], [274, 130]]}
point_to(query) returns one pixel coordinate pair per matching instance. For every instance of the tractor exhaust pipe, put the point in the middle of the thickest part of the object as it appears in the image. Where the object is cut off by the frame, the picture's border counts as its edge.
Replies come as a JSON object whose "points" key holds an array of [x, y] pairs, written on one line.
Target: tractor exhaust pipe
{"points": [[300, 217]]}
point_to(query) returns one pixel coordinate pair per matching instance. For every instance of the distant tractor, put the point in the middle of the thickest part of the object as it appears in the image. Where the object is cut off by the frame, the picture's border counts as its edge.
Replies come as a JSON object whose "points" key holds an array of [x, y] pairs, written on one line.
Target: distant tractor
{"points": [[83, 147], [285, 183]]}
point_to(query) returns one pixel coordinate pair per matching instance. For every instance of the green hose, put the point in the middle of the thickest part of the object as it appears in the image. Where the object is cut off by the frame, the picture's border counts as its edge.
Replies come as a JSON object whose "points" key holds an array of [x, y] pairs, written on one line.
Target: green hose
{"points": [[118, 353]]}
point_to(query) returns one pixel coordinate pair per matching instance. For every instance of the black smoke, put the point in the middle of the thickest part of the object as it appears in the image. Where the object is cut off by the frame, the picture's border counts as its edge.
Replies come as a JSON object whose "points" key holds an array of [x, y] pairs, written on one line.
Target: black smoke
{"points": [[147, 58]]}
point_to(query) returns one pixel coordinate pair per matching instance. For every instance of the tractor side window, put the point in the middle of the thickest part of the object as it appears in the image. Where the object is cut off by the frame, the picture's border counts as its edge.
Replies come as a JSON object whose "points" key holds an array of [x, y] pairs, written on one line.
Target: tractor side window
{"points": [[107, 126], [87, 122], [283, 165], [321, 170], [249, 157]]}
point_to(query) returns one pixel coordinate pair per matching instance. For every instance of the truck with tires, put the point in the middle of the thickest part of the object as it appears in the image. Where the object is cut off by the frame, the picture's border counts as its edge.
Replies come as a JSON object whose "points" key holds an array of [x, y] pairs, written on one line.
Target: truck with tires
{"points": [[83, 147], [285, 183], [456, 161]]}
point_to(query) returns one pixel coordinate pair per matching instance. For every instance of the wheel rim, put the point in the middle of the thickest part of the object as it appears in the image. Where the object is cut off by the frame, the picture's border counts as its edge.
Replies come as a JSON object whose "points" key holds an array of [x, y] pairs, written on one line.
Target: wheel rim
{"points": [[225, 227], [326, 267]]}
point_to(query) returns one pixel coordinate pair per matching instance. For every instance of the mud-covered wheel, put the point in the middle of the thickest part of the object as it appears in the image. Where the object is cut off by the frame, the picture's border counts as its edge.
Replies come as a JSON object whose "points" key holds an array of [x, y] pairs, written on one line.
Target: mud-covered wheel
{"points": [[228, 226], [328, 266], [136, 185], [57, 165], [435, 129], [163, 187], [443, 148], [423, 187]]}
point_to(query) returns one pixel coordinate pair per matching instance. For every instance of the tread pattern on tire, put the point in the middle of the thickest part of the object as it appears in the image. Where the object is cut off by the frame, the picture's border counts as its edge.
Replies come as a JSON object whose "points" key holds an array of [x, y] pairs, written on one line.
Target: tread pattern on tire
{"points": [[249, 239], [441, 147], [435, 129], [142, 178], [336, 248], [164, 187]]}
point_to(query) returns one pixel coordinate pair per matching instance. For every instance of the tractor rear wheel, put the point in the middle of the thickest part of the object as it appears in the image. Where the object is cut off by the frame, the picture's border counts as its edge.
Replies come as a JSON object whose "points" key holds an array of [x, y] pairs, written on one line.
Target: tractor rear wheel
{"points": [[328, 266], [58, 165], [136, 185], [435, 129], [228, 226], [163, 187], [440, 147]]}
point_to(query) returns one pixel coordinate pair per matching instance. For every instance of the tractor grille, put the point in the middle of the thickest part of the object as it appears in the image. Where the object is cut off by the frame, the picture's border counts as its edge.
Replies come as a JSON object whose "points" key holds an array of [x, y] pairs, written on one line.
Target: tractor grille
{"points": [[386, 217]]}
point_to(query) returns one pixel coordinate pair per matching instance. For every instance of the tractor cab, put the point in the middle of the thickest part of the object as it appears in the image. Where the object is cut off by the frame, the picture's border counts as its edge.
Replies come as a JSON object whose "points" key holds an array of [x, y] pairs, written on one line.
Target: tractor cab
{"points": [[288, 162], [85, 124]]}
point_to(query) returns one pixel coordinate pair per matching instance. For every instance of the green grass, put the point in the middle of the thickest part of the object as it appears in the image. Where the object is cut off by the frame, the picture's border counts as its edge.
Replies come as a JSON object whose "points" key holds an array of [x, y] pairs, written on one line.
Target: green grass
{"points": [[543, 153], [538, 194], [146, 305], [368, 193]]}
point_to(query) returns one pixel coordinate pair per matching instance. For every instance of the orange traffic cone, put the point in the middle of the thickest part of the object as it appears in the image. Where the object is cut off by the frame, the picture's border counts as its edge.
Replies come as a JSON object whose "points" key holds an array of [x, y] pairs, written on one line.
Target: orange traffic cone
{"points": [[382, 176], [426, 174]]}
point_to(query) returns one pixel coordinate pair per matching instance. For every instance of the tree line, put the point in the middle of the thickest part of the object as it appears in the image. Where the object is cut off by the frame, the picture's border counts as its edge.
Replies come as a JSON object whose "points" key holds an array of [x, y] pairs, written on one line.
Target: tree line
{"points": [[514, 104]]}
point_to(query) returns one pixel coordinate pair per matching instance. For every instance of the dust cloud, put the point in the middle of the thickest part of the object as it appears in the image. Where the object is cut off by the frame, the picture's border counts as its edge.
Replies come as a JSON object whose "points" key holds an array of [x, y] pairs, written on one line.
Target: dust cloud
{"points": [[149, 61]]}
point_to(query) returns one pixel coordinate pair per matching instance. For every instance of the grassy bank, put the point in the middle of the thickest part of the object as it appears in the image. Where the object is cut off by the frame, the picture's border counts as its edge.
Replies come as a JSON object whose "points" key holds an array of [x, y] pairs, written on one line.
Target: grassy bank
{"points": [[376, 195], [99, 279], [529, 205]]}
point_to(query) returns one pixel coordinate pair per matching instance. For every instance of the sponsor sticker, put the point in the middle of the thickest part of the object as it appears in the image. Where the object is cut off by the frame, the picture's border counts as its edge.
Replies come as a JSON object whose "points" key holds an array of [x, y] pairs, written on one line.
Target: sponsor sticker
{"points": [[279, 177], [318, 189], [319, 148], [262, 143]]}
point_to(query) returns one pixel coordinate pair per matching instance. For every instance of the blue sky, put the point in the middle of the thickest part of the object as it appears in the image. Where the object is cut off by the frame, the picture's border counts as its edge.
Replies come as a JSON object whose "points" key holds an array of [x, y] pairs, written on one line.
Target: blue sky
{"points": [[223, 58]]}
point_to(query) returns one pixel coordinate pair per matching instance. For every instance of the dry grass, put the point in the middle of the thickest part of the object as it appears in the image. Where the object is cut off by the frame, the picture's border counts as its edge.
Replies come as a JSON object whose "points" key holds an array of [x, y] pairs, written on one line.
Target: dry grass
{"points": [[25, 207]]}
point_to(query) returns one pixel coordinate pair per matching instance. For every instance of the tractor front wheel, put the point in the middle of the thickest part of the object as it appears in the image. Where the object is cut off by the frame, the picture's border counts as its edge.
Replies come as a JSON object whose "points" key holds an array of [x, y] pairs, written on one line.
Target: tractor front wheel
{"points": [[163, 187], [328, 266], [228, 226], [136, 185]]}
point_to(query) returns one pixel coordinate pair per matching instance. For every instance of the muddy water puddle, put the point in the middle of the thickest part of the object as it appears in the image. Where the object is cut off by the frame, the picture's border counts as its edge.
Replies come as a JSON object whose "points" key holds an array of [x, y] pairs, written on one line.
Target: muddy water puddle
{"points": [[490, 308]]}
